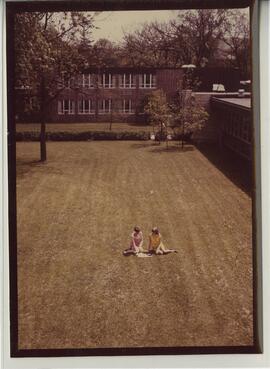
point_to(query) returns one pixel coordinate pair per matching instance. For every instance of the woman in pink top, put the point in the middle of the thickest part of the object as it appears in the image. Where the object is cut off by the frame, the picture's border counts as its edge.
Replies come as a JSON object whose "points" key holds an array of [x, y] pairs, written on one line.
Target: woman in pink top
{"points": [[136, 242]]}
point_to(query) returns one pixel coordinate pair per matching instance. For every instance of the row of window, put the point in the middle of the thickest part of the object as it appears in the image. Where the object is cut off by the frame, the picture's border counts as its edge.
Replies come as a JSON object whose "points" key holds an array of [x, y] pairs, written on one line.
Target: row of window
{"points": [[108, 80], [88, 106]]}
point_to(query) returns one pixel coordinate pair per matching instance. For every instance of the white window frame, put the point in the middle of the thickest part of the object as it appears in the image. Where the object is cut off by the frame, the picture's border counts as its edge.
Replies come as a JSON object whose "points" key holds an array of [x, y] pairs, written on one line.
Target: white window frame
{"points": [[129, 110], [111, 80], [127, 82], [103, 109], [143, 80], [87, 81], [61, 107], [82, 109]]}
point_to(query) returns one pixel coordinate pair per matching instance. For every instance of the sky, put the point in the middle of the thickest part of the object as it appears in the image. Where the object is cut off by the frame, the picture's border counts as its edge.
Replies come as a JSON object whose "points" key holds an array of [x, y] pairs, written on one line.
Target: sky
{"points": [[112, 24]]}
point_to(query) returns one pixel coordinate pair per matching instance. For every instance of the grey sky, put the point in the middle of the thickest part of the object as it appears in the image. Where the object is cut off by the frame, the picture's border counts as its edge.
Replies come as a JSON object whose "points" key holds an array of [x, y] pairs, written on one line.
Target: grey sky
{"points": [[111, 24]]}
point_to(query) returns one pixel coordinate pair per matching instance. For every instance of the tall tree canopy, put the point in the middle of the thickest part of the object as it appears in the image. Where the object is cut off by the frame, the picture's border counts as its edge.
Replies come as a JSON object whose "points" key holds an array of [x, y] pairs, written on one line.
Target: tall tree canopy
{"points": [[151, 46], [201, 37], [102, 53], [45, 46], [46, 56]]}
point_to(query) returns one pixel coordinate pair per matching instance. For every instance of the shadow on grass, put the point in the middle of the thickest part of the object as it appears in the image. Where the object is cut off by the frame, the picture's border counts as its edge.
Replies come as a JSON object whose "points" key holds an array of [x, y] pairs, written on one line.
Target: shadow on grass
{"points": [[23, 167], [138, 124], [159, 148], [143, 145], [234, 167], [175, 148]]}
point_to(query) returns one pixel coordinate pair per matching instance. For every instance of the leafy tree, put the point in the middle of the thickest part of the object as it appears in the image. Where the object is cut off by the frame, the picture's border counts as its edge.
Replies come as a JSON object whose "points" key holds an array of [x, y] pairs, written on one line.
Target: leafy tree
{"points": [[158, 113], [102, 53], [46, 56], [188, 116], [184, 116]]}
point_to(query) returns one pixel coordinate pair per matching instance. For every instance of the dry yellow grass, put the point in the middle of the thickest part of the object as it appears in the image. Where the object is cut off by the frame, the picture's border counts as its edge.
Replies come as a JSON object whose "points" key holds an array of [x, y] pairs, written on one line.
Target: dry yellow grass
{"points": [[75, 215]]}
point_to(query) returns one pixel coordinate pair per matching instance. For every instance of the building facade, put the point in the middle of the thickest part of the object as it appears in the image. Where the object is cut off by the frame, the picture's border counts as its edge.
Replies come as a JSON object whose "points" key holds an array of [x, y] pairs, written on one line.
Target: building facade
{"points": [[101, 95], [234, 125]]}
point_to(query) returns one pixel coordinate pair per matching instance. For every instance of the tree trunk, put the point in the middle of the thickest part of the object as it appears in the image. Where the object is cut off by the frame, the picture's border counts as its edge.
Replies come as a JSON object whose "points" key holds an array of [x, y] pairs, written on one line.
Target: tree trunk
{"points": [[43, 149], [183, 132], [111, 120], [167, 141], [160, 134]]}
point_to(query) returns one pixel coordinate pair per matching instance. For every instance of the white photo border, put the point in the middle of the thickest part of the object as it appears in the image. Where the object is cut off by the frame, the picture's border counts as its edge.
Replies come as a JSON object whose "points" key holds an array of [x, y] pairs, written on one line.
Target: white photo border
{"points": [[262, 156]]}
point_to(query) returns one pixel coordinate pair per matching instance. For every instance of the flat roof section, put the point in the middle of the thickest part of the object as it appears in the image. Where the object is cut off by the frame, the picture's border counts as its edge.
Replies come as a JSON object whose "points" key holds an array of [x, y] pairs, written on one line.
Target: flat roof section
{"points": [[243, 102]]}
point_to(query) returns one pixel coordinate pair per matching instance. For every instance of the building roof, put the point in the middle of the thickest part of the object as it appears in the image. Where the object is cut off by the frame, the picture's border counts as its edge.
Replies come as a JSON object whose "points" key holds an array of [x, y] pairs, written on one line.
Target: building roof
{"points": [[240, 102]]}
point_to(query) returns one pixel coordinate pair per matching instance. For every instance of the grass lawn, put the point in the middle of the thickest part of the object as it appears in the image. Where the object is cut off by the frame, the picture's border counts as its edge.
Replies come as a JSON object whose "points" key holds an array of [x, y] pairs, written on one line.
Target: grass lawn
{"points": [[75, 216], [82, 127]]}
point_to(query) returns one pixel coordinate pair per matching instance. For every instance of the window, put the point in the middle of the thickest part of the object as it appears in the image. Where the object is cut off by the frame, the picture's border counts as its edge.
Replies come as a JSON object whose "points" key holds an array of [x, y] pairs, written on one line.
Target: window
{"points": [[105, 106], [127, 107], [147, 80], [107, 80], [88, 80], [85, 107], [66, 107], [127, 81]]}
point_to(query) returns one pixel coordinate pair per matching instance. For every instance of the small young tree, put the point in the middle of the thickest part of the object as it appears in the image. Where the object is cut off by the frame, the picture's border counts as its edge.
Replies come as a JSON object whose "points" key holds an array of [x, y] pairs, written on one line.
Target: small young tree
{"points": [[158, 113], [188, 117]]}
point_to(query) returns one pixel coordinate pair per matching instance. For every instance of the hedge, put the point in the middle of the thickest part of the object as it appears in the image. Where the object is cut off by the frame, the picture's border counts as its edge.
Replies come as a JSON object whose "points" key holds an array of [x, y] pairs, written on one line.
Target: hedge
{"points": [[83, 136], [93, 136]]}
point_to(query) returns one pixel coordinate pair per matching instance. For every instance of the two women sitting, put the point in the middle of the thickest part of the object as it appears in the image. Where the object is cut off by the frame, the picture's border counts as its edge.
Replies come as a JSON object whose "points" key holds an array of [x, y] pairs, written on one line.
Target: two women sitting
{"points": [[155, 245]]}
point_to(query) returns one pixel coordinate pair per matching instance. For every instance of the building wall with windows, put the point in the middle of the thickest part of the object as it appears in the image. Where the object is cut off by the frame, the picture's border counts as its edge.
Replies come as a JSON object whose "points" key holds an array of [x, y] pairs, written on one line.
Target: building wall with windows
{"points": [[111, 94], [234, 124], [220, 114]]}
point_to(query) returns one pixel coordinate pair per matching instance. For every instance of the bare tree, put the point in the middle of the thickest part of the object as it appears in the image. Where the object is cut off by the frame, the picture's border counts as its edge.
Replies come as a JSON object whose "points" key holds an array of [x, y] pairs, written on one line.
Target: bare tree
{"points": [[237, 38], [152, 46], [202, 29], [192, 38]]}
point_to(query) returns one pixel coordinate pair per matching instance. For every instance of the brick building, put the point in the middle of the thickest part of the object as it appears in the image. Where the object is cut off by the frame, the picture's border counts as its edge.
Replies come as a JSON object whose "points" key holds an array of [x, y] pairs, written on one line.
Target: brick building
{"points": [[99, 95]]}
